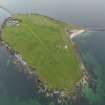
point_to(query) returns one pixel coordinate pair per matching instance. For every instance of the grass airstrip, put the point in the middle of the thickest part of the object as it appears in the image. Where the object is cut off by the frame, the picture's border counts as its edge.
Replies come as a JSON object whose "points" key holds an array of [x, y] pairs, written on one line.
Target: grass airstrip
{"points": [[44, 45]]}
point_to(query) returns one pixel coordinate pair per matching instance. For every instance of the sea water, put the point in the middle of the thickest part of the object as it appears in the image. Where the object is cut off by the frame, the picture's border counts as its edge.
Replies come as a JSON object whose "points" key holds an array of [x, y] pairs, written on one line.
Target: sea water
{"points": [[92, 48]]}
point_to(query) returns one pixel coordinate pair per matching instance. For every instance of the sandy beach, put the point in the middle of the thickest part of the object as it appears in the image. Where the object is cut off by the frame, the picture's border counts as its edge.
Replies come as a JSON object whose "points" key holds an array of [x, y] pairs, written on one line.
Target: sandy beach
{"points": [[75, 33]]}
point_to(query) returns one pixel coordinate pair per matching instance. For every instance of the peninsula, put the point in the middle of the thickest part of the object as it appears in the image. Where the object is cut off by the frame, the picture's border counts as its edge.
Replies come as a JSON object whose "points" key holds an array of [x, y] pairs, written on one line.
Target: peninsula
{"points": [[45, 46]]}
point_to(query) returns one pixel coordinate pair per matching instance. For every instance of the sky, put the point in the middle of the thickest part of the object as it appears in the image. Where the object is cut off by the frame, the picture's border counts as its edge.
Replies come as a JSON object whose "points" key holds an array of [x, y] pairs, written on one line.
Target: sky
{"points": [[73, 11]]}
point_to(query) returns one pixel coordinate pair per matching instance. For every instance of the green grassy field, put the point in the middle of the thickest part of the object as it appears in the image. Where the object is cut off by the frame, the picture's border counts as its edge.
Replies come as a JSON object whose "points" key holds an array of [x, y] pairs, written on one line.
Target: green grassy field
{"points": [[44, 45]]}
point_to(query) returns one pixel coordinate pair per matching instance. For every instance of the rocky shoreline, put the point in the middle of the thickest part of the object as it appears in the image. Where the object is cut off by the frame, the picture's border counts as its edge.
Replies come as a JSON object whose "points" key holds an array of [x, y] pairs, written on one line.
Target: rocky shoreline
{"points": [[60, 96]]}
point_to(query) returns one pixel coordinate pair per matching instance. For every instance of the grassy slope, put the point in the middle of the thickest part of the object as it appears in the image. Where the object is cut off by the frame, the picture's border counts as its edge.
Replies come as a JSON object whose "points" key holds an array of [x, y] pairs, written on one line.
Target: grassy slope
{"points": [[41, 40]]}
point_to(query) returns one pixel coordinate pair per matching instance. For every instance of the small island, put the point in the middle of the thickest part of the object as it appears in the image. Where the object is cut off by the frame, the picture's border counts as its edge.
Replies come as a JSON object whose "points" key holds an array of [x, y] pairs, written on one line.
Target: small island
{"points": [[44, 45]]}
